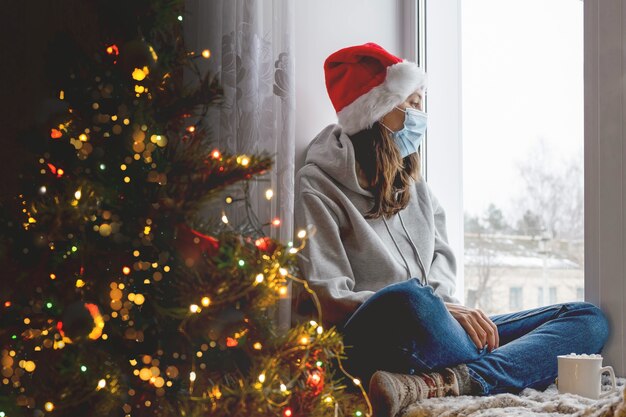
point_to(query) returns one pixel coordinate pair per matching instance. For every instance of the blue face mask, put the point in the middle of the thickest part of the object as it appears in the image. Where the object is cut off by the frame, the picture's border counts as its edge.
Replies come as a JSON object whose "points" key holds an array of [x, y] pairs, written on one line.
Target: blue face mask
{"points": [[410, 136]]}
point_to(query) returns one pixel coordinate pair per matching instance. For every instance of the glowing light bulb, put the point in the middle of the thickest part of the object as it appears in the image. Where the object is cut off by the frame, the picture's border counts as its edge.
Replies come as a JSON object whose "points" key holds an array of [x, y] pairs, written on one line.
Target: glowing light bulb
{"points": [[276, 222], [101, 384], [194, 308], [126, 270], [269, 194], [282, 271], [283, 387], [192, 376], [224, 219], [259, 278], [206, 301], [78, 194], [49, 406], [356, 381], [216, 154], [262, 378], [206, 54]]}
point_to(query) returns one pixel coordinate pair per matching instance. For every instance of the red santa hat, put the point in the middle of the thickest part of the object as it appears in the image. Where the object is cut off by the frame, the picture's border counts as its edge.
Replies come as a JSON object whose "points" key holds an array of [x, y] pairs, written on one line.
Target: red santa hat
{"points": [[365, 82]]}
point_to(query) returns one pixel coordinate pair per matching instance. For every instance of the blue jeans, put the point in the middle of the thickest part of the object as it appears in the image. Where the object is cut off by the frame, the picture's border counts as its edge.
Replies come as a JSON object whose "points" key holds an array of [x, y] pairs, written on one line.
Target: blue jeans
{"points": [[406, 328]]}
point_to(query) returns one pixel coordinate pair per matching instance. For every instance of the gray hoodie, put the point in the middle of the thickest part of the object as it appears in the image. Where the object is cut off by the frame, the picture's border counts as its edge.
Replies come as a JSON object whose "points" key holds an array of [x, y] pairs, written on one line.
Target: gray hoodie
{"points": [[349, 257]]}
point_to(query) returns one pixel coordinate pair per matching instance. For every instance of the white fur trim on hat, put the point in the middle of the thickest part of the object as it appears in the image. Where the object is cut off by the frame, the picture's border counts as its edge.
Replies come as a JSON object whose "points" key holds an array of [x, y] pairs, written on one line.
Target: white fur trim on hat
{"points": [[402, 80]]}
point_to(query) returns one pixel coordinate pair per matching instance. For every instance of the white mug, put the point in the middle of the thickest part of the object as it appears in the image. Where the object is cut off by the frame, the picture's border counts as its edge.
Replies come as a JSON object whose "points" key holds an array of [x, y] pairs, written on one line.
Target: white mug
{"points": [[581, 375]]}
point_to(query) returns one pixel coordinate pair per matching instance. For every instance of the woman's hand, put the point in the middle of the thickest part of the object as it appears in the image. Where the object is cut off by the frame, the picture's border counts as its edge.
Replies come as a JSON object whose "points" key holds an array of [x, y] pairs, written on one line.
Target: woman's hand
{"points": [[478, 326]]}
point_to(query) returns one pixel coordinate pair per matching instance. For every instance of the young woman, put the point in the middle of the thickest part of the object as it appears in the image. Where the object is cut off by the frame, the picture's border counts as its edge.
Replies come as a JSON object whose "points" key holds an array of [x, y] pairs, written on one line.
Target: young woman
{"points": [[381, 265]]}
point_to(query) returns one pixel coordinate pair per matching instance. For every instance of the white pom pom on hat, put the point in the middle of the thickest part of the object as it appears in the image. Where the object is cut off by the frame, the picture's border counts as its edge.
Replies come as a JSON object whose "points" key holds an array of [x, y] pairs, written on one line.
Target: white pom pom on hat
{"points": [[365, 82]]}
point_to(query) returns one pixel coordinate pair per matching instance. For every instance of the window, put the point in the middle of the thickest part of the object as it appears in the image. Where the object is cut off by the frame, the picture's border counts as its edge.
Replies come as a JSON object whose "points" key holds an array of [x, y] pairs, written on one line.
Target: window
{"points": [[580, 294], [552, 295], [522, 133], [515, 298]]}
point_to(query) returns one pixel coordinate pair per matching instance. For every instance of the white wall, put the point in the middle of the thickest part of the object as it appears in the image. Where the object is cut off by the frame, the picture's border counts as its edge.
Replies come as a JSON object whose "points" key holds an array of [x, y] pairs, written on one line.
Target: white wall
{"points": [[323, 27]]}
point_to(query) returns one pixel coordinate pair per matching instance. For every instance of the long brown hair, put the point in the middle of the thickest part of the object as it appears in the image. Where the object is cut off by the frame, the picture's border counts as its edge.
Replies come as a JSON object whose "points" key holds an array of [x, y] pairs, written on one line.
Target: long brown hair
{"points": [[389, 177]]}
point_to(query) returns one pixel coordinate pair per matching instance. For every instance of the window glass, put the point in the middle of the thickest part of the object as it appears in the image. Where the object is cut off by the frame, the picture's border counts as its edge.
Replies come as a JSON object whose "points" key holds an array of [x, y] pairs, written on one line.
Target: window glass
{"points": [[522, 130]]}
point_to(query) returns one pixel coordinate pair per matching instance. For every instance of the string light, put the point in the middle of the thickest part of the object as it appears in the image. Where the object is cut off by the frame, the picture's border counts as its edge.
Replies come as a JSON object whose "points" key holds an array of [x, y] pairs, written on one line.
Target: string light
{"points": [[55, 133], [276, 221], [224, 218], [49, 406], [302, 234], [287, 412], [259, 278], [206, 301], [194, 308], [83, 368], [262, 378], [192, 376], [126, 270], [215, 154], [101, 384], [269, 194], [206, 54]]}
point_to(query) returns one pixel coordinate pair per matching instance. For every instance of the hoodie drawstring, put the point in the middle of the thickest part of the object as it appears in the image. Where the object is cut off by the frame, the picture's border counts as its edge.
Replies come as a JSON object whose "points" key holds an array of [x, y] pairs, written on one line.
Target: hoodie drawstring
{"points": [[413, 247], [406, 264], [415, 252]]}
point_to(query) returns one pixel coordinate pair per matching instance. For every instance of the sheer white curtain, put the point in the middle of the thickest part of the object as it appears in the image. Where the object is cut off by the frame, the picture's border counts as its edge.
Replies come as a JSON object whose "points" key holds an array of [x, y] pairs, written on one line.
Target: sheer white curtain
{"points": [[252, 52], [251, 44]]}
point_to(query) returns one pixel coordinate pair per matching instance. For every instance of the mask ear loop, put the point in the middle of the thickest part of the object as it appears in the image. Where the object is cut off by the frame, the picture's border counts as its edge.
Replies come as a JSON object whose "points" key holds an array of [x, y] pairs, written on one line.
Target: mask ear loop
{"points": [[383, 125]]}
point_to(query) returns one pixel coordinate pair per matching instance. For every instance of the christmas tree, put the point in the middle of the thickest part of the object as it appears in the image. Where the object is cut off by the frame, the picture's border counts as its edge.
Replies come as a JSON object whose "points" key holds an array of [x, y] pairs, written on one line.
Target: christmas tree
{"points": [[117, 299]]}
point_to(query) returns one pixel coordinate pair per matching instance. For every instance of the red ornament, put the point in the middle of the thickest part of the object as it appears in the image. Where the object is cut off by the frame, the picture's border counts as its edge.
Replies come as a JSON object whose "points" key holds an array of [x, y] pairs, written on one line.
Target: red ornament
{"points": [[192, 244]]}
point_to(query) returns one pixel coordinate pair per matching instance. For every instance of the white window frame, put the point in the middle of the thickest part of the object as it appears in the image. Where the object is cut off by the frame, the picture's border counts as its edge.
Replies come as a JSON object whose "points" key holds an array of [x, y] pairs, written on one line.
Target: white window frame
{"points": [[433, 34], [605, 153]]}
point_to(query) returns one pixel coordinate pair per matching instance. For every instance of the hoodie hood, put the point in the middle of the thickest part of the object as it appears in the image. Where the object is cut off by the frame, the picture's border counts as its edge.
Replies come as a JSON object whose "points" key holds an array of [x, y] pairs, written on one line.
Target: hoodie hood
{"points": [[332, 151]]}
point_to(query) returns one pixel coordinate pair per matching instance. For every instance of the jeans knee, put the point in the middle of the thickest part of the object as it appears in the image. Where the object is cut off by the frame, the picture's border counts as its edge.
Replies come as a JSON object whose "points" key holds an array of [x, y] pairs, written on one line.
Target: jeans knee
{"points": [[597, 324], [408, 293]]}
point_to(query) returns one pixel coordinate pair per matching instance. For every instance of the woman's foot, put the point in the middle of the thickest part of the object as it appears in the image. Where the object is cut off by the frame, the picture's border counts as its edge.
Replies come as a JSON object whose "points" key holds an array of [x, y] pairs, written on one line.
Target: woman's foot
{"points": [[391, 393]]}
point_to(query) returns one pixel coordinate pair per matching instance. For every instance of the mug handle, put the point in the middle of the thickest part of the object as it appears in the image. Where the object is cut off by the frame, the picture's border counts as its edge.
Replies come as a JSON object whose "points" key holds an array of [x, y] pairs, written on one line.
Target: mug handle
{"points": [[609, 369]]}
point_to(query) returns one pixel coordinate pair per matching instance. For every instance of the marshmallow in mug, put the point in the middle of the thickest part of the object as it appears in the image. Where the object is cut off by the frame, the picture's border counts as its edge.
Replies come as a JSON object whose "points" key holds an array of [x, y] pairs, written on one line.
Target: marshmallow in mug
{"points": [[583, 355]]}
